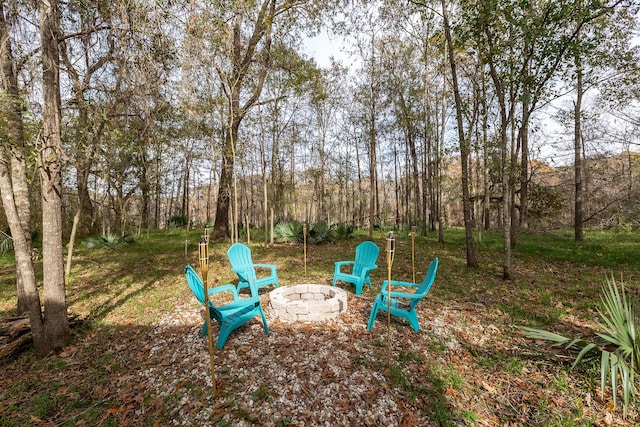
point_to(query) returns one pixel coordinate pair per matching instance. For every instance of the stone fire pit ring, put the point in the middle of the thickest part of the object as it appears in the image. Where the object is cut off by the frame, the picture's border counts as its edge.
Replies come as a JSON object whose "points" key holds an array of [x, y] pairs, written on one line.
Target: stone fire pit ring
{"points": [[307, 303]]}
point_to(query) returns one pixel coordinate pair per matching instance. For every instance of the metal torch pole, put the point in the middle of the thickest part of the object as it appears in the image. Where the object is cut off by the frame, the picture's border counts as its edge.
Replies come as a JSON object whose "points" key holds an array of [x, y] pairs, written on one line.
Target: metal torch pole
{"points": [[204, 271]]}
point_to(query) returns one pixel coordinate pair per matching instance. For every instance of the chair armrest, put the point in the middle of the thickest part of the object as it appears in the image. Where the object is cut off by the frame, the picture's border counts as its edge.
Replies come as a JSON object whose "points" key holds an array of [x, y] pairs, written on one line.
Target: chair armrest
{"points": [[405, 295], [271, 267], [224, 288], [385, 284], [401, 283], [397, 283], [239, 303], [368, 269], [339, 264], [242, 272]]}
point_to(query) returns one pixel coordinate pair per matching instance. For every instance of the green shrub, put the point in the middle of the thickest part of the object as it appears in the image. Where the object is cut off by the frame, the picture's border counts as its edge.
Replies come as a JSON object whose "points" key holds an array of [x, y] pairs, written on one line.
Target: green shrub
{"points": [[288, 232], [109, 241], [177, 221], [344, 231], [320, 232]]}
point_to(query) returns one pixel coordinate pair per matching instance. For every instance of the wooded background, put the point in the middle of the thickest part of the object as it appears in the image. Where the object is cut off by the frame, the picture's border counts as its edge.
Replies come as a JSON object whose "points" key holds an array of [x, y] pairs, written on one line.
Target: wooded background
{"points": [[476, 113]]}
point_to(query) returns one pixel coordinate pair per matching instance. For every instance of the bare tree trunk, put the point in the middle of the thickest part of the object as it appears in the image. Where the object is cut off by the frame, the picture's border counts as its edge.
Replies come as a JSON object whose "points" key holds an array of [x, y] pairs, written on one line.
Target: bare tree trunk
{"points": [[221, 224], [372, 145], [438, 163], [486, 199], [265, 181], [524, 164], [505, 159], [72, 240], [15, 154], [472, 261], [360, 192], [56, 321], [577, 153], [156, 216], [145, 189], [242, 58], [395, 180], [22, 249]]}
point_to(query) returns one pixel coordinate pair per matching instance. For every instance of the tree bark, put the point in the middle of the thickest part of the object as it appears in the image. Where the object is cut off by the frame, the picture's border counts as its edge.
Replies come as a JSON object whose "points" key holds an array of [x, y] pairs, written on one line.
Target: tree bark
{"points": [[242, 59], [372, 145], [15, 155], [472, 261], [505, 158], [577, 153], [524, 163], [55, 333]]}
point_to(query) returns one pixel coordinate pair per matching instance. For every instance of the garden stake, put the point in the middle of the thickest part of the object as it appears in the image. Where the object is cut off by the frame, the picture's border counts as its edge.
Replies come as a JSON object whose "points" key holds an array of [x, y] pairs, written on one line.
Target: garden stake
{"points": [[391, 247], [246, 221], [186, 238], [204, 271], [413, 252], [206, 233], [271, 226], [304, 238]]}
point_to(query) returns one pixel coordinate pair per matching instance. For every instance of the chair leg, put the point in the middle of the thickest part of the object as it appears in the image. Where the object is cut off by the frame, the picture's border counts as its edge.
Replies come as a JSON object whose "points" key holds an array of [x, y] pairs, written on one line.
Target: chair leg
{"points": [[368, 281], [374, 312], [413, 320], [264, 322], [203, 330], [222, 336]]}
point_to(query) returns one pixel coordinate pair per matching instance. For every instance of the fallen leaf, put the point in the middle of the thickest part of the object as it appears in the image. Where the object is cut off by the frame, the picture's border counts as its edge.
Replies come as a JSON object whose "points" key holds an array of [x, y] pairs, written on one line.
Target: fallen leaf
{"points": [[489, 388]]}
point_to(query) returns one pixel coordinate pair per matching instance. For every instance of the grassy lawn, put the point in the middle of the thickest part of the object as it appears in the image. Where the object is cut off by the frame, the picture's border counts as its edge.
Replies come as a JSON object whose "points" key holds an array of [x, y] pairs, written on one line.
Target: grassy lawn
{"points": [[119, 296]]}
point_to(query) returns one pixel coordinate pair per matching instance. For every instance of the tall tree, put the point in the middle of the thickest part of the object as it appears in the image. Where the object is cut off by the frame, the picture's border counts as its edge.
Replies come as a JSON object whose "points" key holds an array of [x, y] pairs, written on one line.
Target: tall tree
{"points": [[55, 332], [14, 159], [249, 32], [603, 57], [465, 147], [524, 44]]}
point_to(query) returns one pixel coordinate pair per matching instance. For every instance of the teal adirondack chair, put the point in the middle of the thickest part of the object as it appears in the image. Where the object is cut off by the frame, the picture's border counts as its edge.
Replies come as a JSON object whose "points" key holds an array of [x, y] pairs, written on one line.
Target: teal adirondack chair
{"points": [[403, 304], [364, 262], [241, 263], [230, 316]]}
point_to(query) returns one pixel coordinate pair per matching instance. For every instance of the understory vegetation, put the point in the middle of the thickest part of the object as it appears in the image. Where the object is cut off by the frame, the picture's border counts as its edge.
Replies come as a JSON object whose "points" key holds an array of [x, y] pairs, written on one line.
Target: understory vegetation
{"points": [[469, 365]]}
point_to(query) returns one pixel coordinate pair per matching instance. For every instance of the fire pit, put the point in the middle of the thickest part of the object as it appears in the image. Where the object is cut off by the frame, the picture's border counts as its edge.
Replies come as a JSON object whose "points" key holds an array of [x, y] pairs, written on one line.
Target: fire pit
{"points": [[307, 303]]}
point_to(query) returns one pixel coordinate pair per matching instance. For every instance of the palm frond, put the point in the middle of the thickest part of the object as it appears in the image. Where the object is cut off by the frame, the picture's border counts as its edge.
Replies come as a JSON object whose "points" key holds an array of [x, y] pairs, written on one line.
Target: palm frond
{"points": [[6, 245], [620, 349]]}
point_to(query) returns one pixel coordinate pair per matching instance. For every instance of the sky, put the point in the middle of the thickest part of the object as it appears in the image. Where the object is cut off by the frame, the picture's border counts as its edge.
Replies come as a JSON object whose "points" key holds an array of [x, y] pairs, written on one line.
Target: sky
{"points": [[323, 47]]}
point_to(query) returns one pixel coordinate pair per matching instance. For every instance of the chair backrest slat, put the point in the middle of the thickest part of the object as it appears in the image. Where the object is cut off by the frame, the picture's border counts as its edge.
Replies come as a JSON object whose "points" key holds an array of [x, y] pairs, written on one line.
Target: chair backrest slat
{"points": [[366, 256], [197, 287], [240, 258]]}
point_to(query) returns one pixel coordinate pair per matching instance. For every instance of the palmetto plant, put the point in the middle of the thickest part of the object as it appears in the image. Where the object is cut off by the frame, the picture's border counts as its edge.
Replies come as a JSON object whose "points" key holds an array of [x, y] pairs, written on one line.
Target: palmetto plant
{"points": [[6, 243], [344, 231], [320, 232], [288, 232], [618, 345], [108, 241]]}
